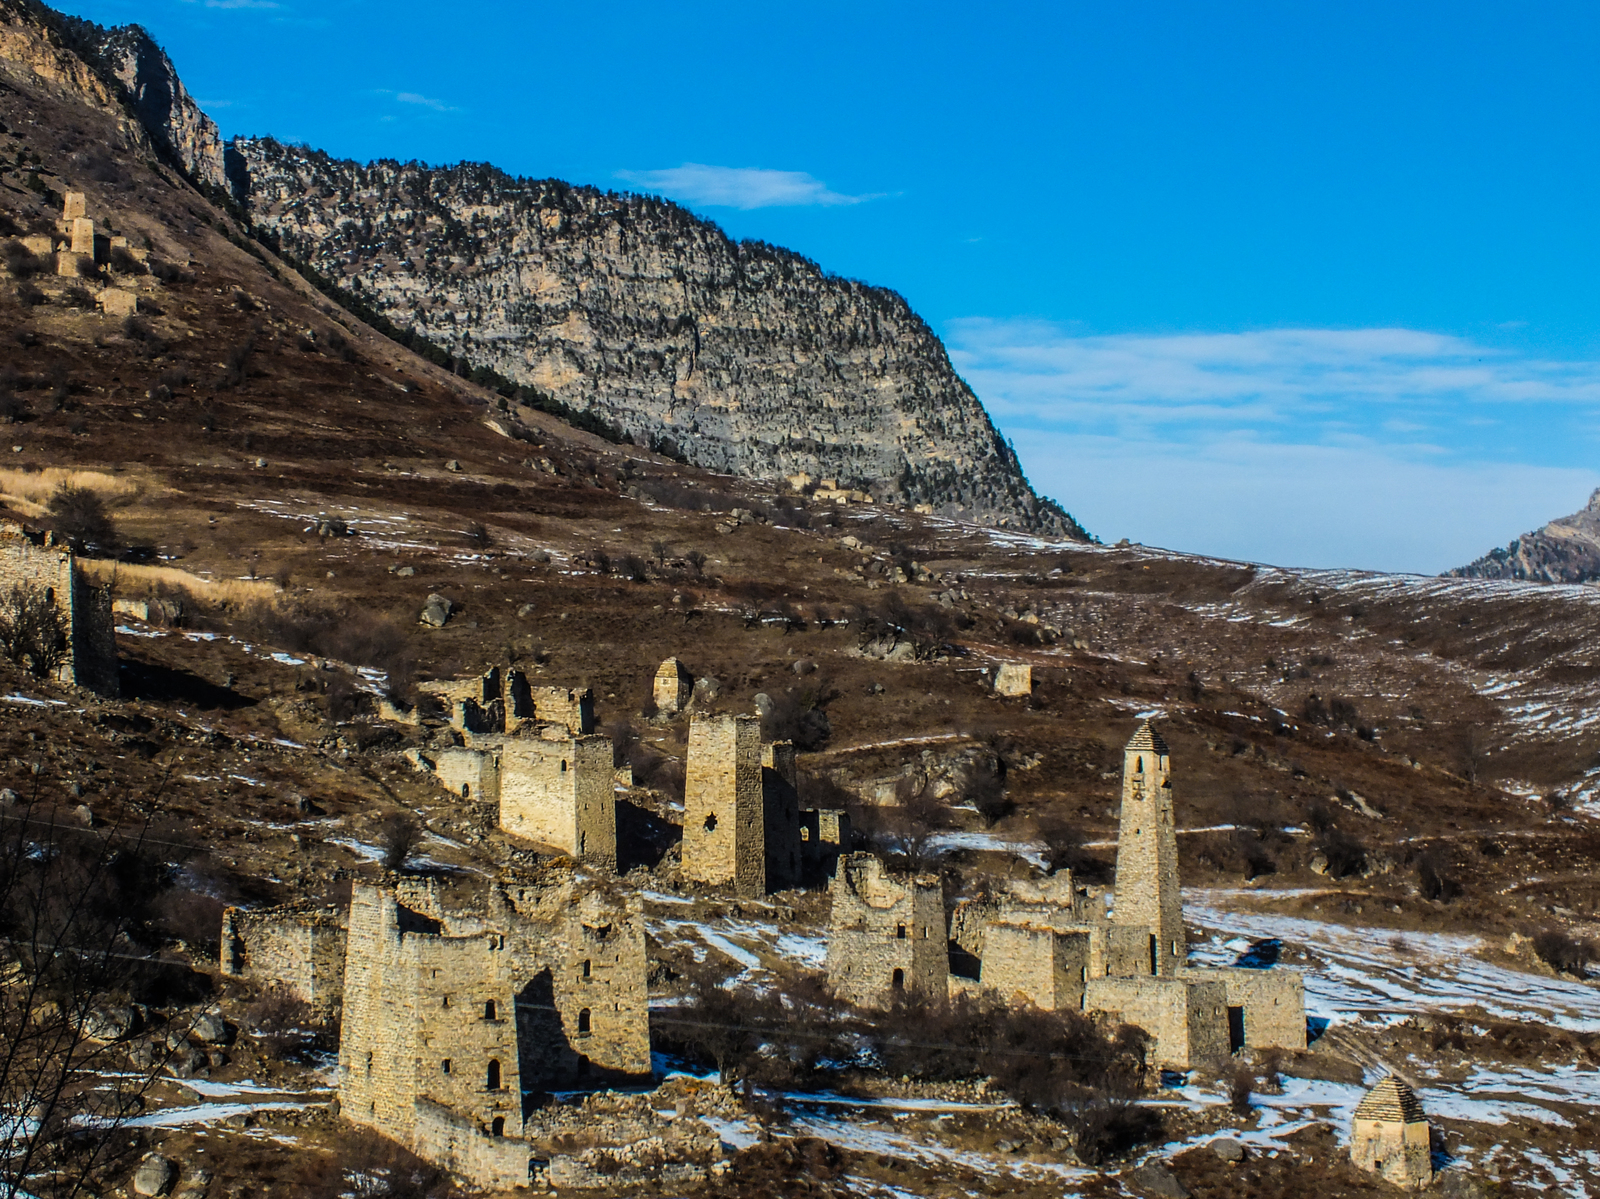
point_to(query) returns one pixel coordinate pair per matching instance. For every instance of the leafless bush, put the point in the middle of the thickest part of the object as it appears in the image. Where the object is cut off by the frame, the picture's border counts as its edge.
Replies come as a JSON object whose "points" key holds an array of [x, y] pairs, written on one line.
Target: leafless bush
{"points": [[369, 1166], [79, 515], [21, 261], [477, 533], [1239, 1089], [280, 1021], [30, 296], [193, 918], [1563, 952], [398, 837], [33, 632], [124, 263]]}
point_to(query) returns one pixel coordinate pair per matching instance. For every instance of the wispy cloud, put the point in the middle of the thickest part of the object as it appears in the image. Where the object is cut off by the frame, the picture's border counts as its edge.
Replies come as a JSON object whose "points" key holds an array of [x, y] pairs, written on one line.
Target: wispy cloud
{"points": [[1392, 449], [1281, 374], [414, 100], [740, 187], [236, 3]]}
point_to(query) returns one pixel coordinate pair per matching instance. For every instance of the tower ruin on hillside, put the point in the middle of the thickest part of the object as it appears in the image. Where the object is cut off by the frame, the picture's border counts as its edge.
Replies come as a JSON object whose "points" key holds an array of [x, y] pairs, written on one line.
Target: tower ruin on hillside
{"points": [[1390, 1135], [1147, 894], [673, 687], [1051, 944], [887, 933], [455, 1021], [741, 808], [296, 947], [532, 752], [41, 566]]}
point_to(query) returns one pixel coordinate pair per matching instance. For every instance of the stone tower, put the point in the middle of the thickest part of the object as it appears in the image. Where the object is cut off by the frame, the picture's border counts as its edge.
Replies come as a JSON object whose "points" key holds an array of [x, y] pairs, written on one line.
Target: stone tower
{"points": [[1147, 852], [887, 936], [1389, 1135], [724, 815]]}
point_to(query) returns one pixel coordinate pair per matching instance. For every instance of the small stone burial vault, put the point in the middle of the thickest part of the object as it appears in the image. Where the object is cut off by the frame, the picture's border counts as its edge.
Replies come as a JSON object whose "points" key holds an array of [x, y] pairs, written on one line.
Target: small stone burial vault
{"points": [[41, 564], [1390, 1135]]}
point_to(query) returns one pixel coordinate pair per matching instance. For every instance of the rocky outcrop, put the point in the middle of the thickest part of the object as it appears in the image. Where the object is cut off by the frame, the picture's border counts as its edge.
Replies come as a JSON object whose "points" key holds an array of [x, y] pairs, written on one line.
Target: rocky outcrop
{"points": [[737, 356], [1564, 551], [158, 98]]}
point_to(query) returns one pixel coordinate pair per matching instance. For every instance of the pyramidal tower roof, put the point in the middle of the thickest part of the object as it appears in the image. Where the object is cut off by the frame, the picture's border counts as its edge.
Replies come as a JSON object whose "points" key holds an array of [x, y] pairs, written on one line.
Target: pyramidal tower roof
{"points": [[1147, 738], [1391, 1099]]}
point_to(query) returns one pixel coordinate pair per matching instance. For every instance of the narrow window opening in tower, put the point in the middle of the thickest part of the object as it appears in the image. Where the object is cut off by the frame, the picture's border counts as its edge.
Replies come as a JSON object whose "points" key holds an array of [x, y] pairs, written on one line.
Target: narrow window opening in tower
{"points": [[711, 822]]}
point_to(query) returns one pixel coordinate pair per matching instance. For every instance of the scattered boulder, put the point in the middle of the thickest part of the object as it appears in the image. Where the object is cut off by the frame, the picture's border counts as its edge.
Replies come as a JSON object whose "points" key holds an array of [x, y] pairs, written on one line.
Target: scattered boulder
{"points": [[209, 1028], [1228, 1149], [406, 572], [155, 1175], [1319, 864], [85, 815], [1153, 1178], [8, 797], [763, 703], [453, 467], [706, 690], [527, 610], [803, 667], [1013, 679], [436, 612], [110, 1023]]}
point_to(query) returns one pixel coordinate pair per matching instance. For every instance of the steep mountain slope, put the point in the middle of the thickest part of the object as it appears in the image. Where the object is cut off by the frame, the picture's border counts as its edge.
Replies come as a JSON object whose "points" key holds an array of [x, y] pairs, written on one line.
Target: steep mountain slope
{"points": [[741, 357], [1564, 551]]}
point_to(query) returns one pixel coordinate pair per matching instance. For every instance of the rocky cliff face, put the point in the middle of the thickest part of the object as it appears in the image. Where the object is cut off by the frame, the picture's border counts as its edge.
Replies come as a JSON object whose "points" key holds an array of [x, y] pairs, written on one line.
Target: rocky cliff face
{"points": [[121, 70], [158, 98], [741, 357], [1564, 551]]}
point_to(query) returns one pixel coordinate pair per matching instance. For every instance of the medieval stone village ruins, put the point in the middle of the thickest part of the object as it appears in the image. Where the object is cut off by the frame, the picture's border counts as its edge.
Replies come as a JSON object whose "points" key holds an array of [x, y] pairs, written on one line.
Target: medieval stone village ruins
{"points": [[456, 1021]]}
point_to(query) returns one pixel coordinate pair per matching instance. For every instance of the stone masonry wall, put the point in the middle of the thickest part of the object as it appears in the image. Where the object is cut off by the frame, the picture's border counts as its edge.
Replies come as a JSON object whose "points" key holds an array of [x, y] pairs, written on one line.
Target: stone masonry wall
{"points": [[302, 950], [470, 773], [1147, 891], [1024, 963], [1272, 1003], [545, 987], [1188, 1020], [560, 793], [780, 814], [887, 933], [39, 562], [724, 807]]}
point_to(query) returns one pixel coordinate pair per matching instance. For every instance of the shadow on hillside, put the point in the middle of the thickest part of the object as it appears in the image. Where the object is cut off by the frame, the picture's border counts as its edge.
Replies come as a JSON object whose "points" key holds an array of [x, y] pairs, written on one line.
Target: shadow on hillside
{"points": [[166, 684]]}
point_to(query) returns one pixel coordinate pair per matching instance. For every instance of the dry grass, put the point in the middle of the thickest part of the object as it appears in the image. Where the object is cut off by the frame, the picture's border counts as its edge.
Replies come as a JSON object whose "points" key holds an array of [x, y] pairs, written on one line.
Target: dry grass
{"points": [[136, 582], [29, 491]]}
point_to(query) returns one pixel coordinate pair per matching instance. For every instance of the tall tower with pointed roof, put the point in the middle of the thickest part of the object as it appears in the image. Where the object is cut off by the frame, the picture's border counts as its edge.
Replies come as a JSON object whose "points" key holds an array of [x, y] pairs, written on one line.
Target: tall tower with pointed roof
{"points": [[1147, 852]]}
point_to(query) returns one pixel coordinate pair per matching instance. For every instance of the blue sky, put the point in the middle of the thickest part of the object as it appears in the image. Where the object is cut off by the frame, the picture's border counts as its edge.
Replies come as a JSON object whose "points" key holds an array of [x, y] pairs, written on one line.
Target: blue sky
{"points": [[1309, 283]]}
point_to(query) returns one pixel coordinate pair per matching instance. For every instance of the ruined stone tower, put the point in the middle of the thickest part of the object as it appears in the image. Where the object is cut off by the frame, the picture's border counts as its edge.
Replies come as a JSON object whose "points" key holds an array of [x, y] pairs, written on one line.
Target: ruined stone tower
{"points": [[887, 936], [1147, 852], [724, 813]]}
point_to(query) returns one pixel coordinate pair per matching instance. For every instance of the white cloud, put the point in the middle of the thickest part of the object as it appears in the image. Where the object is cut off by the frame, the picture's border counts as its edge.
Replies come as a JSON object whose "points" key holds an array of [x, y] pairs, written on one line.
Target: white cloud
{"points": [[1298, 505], [423, 101], [238, 3], [1391, 449], [739, 187], [1035, 369]]}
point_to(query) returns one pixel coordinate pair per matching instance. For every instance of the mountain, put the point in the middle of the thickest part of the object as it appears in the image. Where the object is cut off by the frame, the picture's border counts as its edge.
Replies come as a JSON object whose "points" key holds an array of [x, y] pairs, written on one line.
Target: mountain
{"points": [[1564, 551], [625, 310]]}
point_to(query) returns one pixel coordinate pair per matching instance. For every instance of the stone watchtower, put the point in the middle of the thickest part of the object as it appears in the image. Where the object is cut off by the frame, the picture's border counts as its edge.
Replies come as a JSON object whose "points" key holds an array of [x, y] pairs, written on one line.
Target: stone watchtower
{"points": [[1147, 852], [1390, 1136], [724, 814], [887, 936]]}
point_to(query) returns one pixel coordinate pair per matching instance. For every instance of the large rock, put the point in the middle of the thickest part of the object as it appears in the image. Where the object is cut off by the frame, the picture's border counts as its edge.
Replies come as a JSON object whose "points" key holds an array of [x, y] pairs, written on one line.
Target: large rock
{"points": [[110, 1023], [1228, 1149], [1153, 1178], [436, 612], [155, 1175], [209, 1029]]}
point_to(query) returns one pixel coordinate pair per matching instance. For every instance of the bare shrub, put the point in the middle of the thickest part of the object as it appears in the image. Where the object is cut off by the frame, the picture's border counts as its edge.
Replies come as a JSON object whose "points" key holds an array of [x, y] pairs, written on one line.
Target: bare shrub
{"points": [[1563, 952], [398, 837], [124, 263], [33, 631], [79, 515], [1239, 1089], [280, 1021], [193, 918], [477, 533]]}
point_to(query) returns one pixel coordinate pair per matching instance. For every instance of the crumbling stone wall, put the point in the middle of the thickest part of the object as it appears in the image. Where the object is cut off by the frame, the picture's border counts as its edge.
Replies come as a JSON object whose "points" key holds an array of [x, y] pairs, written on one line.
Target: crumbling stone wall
{"points": [[538, 987], [1187, 1020], [887, 933], [1034, 964], [298, 948], [1266, 1008], [780, 797], [40, 561], [571, 708], [470, 773], [825, 833], [561, 793]]}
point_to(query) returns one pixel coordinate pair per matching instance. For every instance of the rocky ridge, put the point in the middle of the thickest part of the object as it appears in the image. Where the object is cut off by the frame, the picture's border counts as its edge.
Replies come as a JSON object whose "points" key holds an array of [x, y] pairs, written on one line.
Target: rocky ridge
{"points": [[1566, 550], [737, 356]]}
